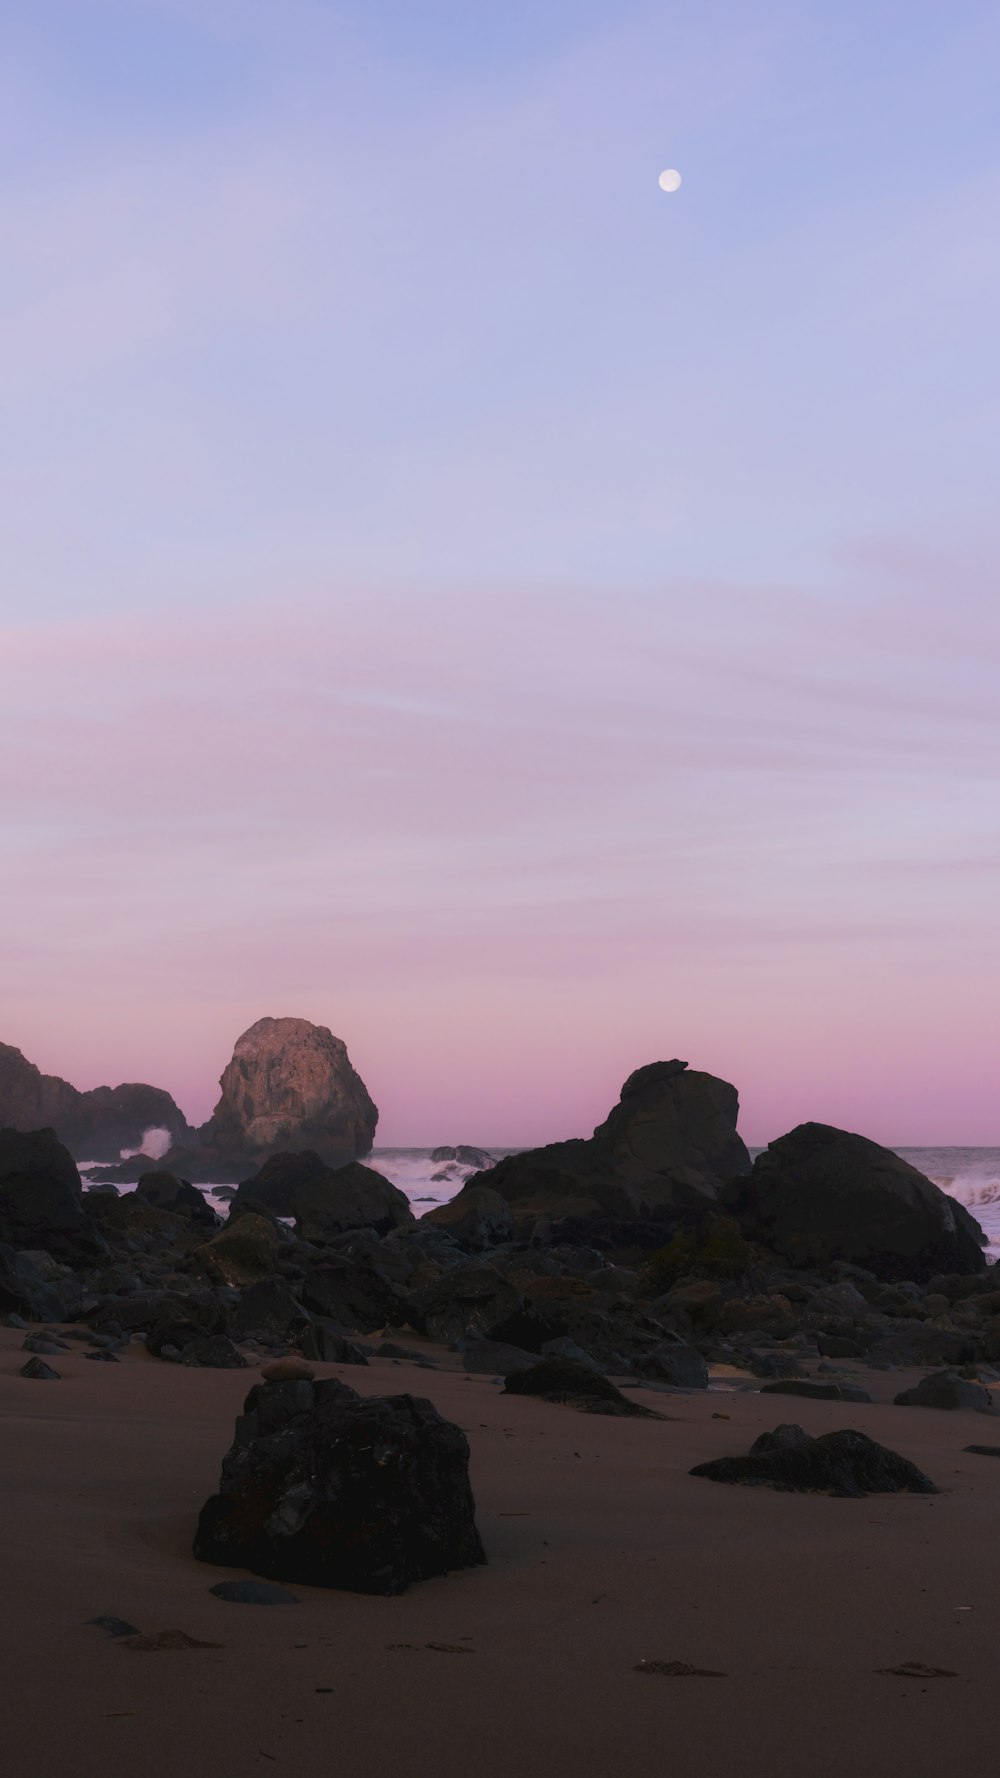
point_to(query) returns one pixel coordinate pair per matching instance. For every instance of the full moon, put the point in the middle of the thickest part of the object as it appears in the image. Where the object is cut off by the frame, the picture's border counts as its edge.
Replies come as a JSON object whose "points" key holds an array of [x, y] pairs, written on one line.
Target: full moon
{"points": [[670, 179]]}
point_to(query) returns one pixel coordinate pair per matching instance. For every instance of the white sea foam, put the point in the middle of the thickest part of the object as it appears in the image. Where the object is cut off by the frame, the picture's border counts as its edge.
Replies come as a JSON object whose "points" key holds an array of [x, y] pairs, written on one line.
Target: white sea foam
{"points": [[155, 1143]]}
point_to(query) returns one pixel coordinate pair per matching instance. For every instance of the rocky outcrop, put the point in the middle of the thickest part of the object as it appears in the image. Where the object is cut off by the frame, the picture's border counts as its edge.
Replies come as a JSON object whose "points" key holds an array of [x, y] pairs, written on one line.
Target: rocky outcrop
{"points": [[324, 1487], [325, 1201], [290, 1085], [167, 1192], [477, 1219], [668, 1145], [821, 1194], [41, 1200], [847, 1463], [94, 1125]]}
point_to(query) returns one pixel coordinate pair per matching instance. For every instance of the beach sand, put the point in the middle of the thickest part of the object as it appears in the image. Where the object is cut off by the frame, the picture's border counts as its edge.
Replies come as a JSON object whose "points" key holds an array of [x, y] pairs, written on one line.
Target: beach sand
{"points": [[603, 1552]]}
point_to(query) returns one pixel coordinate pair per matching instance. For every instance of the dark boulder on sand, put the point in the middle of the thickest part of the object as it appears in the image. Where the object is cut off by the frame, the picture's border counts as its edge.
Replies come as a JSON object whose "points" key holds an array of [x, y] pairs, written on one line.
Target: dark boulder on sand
{"points": [[819, 1195], [846, 1463], [325, 1201], [41, 1199], [329, 1489], [667, 1146], [946, 1389], [563, 1380]]}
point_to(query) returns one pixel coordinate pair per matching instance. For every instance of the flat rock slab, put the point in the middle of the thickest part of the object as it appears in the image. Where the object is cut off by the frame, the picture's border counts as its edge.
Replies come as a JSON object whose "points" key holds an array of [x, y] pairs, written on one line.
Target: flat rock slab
{"points": [[845, 1463], [115, 1626], [983, 1450], [816, 1391], [159, 1641], [563, 1380], [253, 1592]]}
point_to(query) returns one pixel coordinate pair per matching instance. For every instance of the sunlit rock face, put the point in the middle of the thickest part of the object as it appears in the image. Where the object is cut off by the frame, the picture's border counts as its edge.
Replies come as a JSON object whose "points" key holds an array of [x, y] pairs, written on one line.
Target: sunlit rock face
{"points": [[290, 1086]]}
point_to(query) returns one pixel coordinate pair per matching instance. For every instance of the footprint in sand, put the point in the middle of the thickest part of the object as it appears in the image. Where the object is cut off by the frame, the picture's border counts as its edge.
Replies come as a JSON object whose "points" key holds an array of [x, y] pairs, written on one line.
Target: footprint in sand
{"points": [[917, 1670], [166, 1639], [678, 1670]]}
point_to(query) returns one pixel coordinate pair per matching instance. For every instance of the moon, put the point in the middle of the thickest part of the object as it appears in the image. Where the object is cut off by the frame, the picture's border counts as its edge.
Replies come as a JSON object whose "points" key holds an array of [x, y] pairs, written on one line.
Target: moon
{"points": [[670, 179]]}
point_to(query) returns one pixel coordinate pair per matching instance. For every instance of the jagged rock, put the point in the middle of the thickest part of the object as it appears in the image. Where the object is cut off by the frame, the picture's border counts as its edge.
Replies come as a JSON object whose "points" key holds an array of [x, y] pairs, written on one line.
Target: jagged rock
{"points": [[821, 1194], [270, 1308], [326, 1201], [38, 1371], [945, 1389], [562, 1380], [326, 1488], [845, 1463], [96, 1124], [242, 1252], [167, 1192], [569, 1349], [353, 1295], [776, 1364], [491, 1358], [667, 1146], [41, 1199], [325, 1342], [816, 1391], [290, 1085], [472, 1298], [673, 1361], [26, 1290], [477, 1219], [213, 1352]]}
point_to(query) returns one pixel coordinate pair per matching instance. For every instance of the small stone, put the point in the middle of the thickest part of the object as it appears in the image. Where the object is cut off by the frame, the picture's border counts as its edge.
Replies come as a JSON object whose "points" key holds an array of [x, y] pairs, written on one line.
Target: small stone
{"points": [[166, 1639], [102, 1356], [816, 1391], [39, 1371], [253, 1592], [287, 1370], [115, 1626], [14, 1320], [44, 1344]]}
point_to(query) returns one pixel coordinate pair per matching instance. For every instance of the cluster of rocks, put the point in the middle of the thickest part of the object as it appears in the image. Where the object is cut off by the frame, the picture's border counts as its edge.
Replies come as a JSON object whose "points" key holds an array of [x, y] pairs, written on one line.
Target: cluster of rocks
{"points": [[648, 1251], [289, 1084]]}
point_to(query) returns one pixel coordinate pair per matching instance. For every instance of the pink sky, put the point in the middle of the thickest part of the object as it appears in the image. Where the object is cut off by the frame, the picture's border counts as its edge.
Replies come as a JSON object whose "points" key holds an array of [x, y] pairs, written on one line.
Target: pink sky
{"points": [[512, 854], [459, 594]]}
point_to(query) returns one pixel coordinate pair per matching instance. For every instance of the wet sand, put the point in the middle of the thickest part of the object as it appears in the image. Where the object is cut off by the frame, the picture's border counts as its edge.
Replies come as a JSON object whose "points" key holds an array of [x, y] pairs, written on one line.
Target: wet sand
{"points": [[603, 1553]]}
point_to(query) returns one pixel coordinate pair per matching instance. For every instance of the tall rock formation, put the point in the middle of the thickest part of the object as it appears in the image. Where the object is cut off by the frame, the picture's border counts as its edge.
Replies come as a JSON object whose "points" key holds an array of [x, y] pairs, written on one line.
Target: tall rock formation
{"points": [[290, 1086], [667, 1146], [95, 1125]]}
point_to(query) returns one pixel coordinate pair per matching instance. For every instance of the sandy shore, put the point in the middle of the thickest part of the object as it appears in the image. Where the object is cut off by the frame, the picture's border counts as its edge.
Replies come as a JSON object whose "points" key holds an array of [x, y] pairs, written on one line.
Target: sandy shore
{"points": [[603, 1552]]}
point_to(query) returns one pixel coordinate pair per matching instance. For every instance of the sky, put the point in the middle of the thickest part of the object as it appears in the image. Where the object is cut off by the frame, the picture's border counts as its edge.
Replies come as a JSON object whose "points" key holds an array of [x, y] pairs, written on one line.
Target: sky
{"points": [[458, 593]]}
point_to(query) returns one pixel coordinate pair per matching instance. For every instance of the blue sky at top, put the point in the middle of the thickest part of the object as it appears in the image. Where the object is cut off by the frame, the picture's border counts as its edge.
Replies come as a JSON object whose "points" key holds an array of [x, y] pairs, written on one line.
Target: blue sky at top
{"points": [[389, 291]]}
